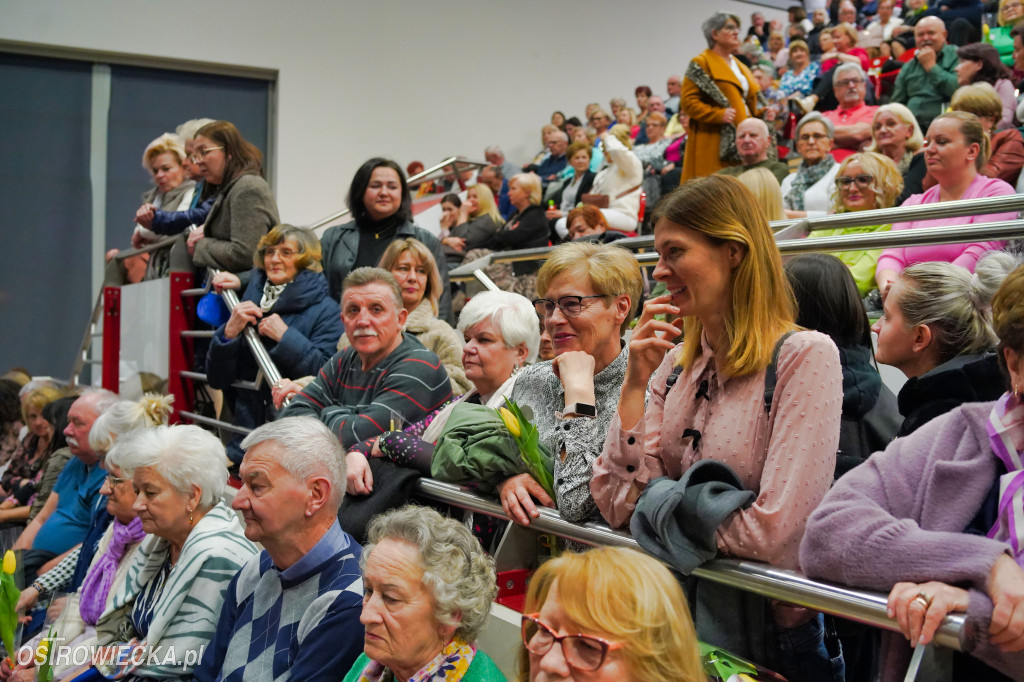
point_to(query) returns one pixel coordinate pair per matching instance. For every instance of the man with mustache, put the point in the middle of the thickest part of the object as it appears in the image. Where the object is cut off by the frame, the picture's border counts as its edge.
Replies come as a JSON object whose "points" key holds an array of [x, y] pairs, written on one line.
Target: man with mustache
{"points": [[385, 377]]}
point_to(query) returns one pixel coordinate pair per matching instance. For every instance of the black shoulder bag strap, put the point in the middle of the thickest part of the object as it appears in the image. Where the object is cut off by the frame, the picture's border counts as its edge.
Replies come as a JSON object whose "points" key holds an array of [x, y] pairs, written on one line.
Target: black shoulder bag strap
{"points": [[771, 374]]}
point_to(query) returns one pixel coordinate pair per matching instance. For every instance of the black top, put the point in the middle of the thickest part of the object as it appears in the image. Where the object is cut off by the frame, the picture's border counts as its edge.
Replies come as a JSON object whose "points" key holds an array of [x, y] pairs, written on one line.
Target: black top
{"points": [[525, 230], [964, 379]]}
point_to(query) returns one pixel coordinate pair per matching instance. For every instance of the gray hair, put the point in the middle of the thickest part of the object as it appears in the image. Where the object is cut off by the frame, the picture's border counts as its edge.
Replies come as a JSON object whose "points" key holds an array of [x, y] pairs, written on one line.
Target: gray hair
{"points": [[561, 135], [128, 415], [310, 450], [360, 277], [955, 303], [513, 316], [816, 116], [715, 23], [498, 172], [187, 130], [846, 67], [455, 568], [184, 454], [493, 149]]}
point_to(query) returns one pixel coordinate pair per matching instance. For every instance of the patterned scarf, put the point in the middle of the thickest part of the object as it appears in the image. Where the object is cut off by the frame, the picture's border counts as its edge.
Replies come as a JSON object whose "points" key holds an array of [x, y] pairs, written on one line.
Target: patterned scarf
{"points": [[1006, 434], [450, 665], [805, 177], [271, 292], [101, 576]]}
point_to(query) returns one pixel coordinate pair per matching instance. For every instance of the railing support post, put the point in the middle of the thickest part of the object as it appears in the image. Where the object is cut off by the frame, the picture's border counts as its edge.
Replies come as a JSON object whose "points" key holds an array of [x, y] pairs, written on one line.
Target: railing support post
{"points": [[179, 348], [111, 376]]}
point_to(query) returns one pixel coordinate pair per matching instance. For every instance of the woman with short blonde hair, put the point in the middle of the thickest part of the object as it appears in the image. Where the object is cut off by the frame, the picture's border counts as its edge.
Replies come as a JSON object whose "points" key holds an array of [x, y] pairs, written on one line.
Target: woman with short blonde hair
{"points": [[588, 294]]}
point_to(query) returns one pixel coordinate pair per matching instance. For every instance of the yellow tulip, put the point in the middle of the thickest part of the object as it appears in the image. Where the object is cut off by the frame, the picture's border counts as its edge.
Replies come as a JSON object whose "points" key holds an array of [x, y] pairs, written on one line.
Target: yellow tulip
{"points": [[10, 563], [42, 651], [510, 421]]}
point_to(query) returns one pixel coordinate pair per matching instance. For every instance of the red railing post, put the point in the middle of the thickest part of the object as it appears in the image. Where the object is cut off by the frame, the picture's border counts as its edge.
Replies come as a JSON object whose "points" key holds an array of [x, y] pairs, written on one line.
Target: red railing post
{"points": [[111, 375], [179, 348]]}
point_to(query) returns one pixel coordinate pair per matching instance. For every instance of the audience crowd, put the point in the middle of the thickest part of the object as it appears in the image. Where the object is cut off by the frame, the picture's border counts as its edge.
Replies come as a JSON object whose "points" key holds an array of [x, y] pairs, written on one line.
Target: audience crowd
{"points": [[719, 404]]}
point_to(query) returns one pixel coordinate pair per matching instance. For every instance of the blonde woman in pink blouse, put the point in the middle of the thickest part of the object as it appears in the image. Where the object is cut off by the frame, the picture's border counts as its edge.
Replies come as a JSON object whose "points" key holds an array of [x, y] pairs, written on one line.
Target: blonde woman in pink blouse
{"points": [[726, 284]]}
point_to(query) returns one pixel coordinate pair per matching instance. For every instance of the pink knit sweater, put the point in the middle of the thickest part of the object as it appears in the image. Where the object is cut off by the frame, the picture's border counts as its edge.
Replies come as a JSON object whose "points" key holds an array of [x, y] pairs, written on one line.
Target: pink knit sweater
{"points": [[787, 458]]}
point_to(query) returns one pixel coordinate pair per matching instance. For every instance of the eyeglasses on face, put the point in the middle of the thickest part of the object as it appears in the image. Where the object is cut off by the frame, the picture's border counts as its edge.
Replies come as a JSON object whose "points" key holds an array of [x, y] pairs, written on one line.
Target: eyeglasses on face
{"points": [[280, 251], [850, 82], [863, 181], [583, 652], [809, 137], [571, 306], [113, 480], [202, 153]]}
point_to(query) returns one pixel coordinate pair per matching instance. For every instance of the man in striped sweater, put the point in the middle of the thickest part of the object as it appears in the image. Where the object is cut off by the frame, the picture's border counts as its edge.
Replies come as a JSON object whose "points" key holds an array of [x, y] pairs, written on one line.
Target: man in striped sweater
{"points": [[292, 612], [385, 379]]}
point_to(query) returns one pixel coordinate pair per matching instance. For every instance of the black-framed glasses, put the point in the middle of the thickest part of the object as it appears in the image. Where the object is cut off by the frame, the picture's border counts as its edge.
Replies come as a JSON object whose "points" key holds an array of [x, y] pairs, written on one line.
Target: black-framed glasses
{"points": [[571, 306], [863, 181], [583, 652]]}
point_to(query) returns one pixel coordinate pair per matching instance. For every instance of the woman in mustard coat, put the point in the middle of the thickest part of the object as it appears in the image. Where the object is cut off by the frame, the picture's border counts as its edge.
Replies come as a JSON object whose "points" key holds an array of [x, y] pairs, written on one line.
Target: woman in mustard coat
{"points": [[716, 99]]}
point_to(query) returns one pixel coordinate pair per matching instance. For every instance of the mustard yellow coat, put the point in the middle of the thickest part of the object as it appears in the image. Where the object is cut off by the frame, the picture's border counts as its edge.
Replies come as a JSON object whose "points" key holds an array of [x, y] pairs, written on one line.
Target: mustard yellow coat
{"points": [[703, 138]]}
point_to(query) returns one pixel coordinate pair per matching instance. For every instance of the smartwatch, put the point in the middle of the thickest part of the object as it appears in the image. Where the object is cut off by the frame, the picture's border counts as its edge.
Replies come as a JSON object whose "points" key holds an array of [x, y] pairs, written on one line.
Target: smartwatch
{"points": [[578, 410]]}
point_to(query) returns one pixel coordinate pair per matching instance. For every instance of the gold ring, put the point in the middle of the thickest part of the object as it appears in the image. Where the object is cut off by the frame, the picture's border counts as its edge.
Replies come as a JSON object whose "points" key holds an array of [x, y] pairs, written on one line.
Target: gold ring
{"points": [[924, 599]]}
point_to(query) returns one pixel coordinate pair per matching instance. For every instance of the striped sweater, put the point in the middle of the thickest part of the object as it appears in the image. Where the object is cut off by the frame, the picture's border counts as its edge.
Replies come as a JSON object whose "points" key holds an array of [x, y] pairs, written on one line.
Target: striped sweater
{"points": [[404, 387], [189, 605]]}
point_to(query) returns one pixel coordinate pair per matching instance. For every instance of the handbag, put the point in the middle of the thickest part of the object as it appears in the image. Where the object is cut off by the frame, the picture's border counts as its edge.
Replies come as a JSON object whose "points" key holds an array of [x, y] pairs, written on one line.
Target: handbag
{"points": [[603, 200]]}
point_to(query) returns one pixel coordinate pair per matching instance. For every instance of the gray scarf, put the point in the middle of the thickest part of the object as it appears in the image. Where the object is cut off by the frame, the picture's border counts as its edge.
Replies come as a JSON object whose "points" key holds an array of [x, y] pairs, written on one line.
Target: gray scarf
{"points": [[805, 177], [271, 292]]}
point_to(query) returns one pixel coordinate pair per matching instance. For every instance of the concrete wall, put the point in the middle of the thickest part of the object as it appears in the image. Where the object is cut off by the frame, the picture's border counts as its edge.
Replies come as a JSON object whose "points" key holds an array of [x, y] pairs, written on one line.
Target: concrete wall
{"points": [[411, 80]]}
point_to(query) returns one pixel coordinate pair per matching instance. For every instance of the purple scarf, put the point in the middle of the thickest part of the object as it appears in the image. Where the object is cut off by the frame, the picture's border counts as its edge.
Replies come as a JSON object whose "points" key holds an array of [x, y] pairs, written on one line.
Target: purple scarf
{"points": [[1006, 434], [93, 593]]}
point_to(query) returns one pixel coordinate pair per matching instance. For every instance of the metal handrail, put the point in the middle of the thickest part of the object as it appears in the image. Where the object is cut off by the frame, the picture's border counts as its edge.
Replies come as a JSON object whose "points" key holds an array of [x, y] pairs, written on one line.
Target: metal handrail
{"points": [[419, 177], [882, 216], [252, 337], [749, 576], [949, 234], [155, 246]]}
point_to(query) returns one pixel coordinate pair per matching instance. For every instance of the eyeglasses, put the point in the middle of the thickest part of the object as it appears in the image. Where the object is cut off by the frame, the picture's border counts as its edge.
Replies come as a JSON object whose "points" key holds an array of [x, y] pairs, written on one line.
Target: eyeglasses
{"points": [[850, 82], [281, 252], [862, 181], [200, 154], [571, 306], [583, 652], [113, 480], [808, 137]]}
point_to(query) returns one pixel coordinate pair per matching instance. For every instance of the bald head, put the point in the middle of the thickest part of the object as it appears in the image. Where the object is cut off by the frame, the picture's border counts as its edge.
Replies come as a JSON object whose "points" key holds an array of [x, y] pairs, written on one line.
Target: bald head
{"points": [[930, 32], [752, 141]]}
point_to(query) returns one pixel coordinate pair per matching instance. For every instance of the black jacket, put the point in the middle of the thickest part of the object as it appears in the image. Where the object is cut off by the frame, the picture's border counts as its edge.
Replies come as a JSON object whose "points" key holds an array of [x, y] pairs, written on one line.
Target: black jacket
{"points": [[964, 379]]}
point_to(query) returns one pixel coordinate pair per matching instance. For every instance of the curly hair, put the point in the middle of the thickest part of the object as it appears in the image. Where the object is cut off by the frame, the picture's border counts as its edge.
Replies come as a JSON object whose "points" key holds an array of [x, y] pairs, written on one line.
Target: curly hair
{"points": [[456, 570]]}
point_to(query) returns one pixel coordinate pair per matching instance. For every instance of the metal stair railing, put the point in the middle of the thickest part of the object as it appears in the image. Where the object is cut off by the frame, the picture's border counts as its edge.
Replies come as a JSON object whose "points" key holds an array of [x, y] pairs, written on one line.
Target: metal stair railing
{"points": [[789, 234]]}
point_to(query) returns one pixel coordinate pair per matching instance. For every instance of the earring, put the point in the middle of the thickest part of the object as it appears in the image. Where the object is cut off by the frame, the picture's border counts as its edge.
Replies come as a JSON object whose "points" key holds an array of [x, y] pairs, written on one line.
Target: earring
{"points": [[189, 510]]}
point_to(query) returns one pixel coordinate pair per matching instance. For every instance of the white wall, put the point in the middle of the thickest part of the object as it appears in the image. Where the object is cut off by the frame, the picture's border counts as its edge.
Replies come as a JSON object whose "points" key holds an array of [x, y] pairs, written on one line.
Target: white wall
{"points": [[419, 79]]}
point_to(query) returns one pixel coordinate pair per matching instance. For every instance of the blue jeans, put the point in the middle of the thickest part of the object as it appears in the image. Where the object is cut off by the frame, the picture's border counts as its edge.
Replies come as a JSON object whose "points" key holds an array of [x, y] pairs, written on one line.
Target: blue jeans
{"points": [[804, 655]]}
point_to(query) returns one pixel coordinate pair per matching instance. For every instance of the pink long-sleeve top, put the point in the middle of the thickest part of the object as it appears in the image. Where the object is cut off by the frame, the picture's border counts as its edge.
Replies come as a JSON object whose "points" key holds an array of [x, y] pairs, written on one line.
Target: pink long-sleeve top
{"points": [[786, 457], [964, 255]]}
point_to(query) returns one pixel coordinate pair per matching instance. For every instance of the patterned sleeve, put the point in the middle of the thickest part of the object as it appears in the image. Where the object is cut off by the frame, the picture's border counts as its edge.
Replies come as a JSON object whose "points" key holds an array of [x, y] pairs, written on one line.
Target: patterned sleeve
{"points": [[58, 577]]}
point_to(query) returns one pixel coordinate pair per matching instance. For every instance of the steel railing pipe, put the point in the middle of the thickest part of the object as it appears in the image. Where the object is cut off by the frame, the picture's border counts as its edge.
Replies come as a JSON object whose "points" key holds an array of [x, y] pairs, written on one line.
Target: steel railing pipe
{"points": [[861, 605], [155, 246], [252, 337]]}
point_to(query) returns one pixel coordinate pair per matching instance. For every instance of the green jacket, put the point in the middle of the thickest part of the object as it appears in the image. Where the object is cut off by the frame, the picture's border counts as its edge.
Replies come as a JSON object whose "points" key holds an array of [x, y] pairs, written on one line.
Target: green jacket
{"points": [[482, 669], [926, 92], [475, 448], [861, 263]]}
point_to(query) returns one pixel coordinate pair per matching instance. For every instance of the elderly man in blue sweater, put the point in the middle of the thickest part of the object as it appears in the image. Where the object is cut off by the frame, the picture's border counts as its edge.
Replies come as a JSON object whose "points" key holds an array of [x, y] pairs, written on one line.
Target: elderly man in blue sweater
{"points": [[292, 612]]}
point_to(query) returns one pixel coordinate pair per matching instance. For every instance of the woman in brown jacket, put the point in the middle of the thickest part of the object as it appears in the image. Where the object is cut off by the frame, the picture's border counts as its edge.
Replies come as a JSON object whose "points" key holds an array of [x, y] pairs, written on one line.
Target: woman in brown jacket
{"points": [[718, 93]]}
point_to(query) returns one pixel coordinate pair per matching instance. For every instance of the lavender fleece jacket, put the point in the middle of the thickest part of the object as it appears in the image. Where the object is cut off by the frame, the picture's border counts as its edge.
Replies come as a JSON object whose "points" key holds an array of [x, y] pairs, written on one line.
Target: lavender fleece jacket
{"points": [[900, 516]]}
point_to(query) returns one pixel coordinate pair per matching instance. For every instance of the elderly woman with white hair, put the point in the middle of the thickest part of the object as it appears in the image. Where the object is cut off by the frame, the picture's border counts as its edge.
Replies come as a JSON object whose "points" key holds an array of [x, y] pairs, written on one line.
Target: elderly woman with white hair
{"points": [[171, 599], [427, 592], [808, 192], [501, 337]]}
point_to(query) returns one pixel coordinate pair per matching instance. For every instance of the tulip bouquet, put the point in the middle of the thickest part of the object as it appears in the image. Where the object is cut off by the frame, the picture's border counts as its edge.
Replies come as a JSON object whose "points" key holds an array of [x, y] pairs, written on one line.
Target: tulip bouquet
{"points": [[534, 455]]}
